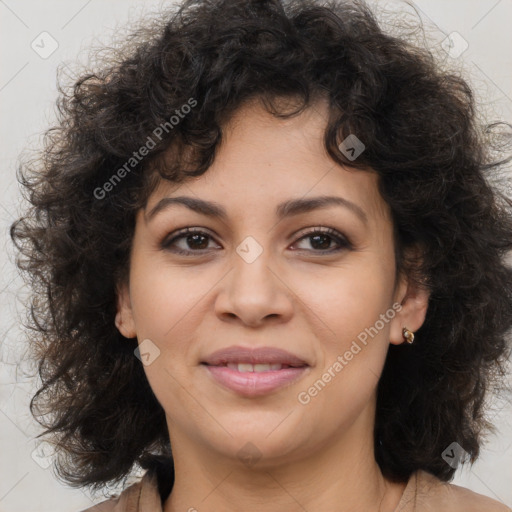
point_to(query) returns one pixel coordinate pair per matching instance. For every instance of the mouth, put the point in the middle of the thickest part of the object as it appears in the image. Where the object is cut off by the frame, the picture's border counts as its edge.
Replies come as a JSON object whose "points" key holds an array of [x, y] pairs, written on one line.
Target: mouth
{"points": [[257, 368], [259, 358], [254, 372]]}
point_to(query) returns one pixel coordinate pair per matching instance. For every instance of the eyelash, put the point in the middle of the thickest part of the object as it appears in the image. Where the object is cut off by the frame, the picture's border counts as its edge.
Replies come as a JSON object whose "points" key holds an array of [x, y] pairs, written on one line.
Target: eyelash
{"points": [[342, 240]]}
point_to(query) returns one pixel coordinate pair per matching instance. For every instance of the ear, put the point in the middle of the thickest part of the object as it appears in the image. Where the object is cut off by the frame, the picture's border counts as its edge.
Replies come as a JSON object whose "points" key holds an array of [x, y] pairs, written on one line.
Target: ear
{"points": [[413, 300], [124, 317]]}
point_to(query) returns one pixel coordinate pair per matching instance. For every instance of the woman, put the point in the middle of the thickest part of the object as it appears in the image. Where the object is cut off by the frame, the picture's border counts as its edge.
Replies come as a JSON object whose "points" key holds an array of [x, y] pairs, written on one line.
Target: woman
{"points": [[264, 237]]}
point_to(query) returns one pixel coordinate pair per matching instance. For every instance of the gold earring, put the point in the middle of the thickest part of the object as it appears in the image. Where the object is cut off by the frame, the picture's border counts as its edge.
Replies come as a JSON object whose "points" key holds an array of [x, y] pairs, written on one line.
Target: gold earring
{"points": [[408, 335]]}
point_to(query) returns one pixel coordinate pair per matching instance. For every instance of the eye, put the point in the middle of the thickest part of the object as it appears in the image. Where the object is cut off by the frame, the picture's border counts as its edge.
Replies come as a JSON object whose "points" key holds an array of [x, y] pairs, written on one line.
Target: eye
{"points": [[191, 239], [321, 239]]}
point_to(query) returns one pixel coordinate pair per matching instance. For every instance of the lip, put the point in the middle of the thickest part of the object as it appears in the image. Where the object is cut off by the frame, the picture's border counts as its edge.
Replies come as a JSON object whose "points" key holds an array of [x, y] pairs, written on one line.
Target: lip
{"points": [[252, 384], [259, 355]]}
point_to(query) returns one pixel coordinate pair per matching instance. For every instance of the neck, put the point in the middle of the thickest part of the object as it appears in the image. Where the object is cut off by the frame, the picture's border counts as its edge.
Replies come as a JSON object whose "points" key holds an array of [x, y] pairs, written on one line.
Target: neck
{"points": [[338, 477]]}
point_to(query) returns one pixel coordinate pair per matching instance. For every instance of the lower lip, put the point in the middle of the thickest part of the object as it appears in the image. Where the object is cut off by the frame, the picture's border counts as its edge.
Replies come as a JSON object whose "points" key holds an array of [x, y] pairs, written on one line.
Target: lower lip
{"points": [[254, 383]]}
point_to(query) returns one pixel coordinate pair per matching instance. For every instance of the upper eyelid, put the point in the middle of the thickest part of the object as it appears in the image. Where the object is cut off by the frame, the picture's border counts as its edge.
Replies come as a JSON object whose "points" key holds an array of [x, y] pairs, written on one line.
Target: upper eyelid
{"points": [[297, 235]]}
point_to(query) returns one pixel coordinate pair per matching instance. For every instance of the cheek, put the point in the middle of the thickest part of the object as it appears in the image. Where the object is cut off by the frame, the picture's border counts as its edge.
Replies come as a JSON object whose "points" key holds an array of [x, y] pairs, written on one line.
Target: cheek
{"points": [[167, 307], [349, 303], [348, 299], [355, 348], [168, 304], [164, 297]]}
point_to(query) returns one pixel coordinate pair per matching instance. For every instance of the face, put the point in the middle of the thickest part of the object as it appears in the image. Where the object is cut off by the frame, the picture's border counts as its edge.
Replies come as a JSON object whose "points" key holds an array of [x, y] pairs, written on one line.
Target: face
{"points": [[278, 272]]}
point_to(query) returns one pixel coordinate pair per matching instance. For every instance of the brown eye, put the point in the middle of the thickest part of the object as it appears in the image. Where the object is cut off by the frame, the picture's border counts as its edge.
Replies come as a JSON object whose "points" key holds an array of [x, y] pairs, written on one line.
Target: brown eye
{"points": [[321, 240], [190, 240]]}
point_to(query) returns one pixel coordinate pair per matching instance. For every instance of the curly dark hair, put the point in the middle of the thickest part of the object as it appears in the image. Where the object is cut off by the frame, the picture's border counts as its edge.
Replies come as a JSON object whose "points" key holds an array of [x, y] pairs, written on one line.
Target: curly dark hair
{"points": [[437, 168]]}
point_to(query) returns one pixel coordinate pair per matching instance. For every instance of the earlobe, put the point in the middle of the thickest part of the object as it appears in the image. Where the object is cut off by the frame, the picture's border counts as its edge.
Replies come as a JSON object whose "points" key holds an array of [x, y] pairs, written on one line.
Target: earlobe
{"points": [[124, 316], [413, 310]]}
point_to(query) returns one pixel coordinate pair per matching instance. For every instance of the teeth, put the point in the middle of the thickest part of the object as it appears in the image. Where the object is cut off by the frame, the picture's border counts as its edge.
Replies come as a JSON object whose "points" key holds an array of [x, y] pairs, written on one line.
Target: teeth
{"points": [[247, 367]]}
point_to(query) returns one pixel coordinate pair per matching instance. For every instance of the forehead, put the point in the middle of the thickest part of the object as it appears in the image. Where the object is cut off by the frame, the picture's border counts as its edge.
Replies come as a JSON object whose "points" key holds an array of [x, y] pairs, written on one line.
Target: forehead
{"points": [[263, 161]]}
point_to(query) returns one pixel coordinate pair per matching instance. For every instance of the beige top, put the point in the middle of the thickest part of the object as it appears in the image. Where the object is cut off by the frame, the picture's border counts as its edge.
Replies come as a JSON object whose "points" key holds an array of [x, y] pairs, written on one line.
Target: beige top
{"points": [[423, 493]]}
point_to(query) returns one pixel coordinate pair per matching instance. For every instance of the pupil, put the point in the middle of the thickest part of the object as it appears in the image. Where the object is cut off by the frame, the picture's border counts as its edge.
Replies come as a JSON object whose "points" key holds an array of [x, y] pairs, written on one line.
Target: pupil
{"points": [[323, 246], [315, 241], [195, 238]]}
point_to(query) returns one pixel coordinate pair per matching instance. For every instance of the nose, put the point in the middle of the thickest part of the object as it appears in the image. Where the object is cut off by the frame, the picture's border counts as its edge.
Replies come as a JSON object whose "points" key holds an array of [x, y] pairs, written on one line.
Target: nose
{"points": [[254, 294]]}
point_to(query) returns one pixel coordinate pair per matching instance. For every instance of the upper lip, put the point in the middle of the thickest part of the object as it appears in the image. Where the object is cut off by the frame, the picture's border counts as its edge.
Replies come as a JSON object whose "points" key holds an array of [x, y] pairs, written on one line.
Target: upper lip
{"points": [[259, 355]]}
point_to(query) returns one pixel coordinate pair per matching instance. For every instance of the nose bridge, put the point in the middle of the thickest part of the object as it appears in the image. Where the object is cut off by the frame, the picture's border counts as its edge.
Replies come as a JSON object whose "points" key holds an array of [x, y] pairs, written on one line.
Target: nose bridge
{"points": [[252, 276], [253, 290]]}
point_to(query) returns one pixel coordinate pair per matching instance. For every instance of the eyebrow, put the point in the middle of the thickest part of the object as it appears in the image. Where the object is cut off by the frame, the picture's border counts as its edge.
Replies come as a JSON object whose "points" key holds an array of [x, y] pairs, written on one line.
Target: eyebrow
{"points": [[286, 209]]}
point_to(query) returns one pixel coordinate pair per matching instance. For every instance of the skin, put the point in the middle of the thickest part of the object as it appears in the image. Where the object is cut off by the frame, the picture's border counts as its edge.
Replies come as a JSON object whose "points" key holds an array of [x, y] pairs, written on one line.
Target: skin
{"points": [[317, 456]]}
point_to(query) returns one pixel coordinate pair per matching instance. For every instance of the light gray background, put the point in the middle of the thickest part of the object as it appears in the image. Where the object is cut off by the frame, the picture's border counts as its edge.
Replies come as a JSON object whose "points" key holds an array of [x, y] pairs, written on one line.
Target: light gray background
{"points": [[27, 96]]}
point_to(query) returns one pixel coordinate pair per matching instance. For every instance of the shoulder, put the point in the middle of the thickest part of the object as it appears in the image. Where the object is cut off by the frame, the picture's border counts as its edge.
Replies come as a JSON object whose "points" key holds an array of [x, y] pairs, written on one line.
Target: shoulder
{"points": [[143, 495], [433, 495], [127, 500]]}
